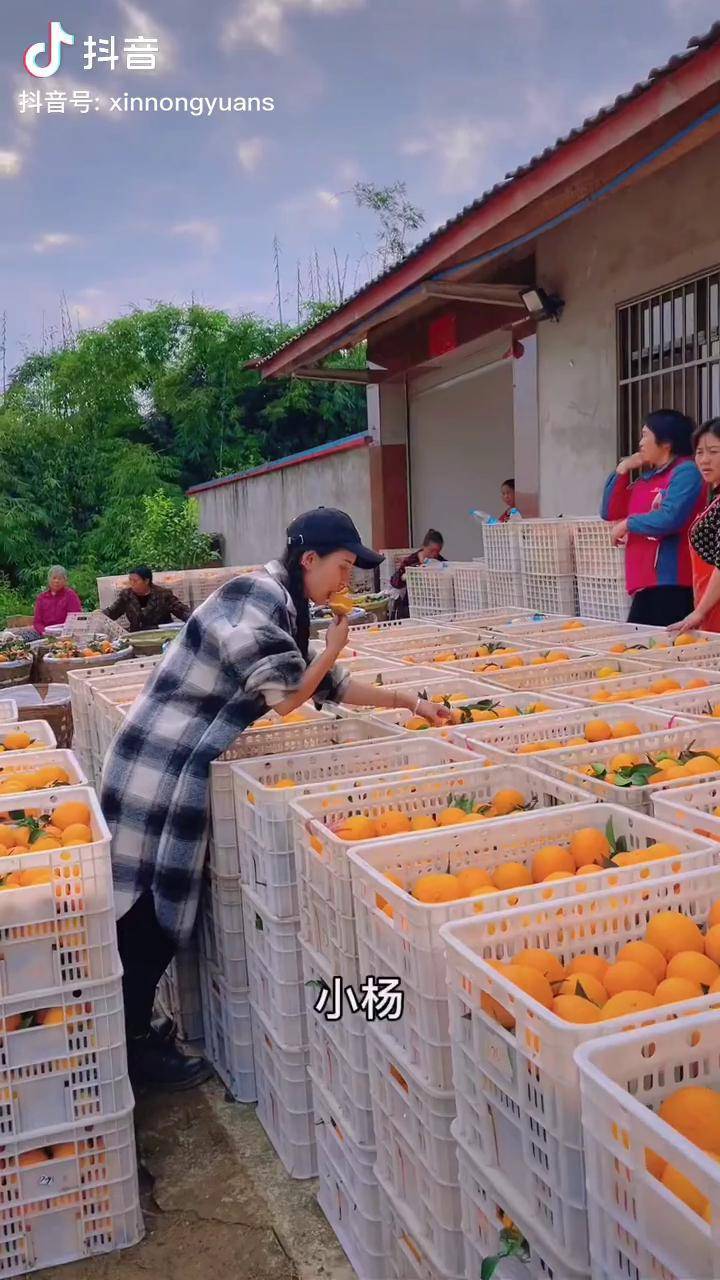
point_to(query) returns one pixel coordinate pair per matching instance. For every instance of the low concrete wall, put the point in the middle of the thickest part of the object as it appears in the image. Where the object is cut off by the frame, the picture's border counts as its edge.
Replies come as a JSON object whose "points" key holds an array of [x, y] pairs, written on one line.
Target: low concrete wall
{"points": [[253, 512]]}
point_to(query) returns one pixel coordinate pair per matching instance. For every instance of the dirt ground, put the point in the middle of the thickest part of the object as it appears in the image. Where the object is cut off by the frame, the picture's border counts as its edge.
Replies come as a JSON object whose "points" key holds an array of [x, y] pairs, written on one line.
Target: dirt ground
{"points": [[217, 1203]]}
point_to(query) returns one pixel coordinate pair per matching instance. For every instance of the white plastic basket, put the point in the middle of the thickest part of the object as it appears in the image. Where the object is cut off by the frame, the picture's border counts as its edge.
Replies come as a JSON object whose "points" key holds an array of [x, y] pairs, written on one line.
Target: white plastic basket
{"points": [[19, 767], [285, 1101], [512, 738], [179, 997], [501, 545], [275, 971], [560, 676], [517, 1090], [326, 892], [505, 588], [39, 730], [8, 711], [640, 686], [546, 548], [494, 1216], [410, 1255], [400, 936], [45, 1090], [637, 1225], [228, 1034], [697, 704], [226, 897], [338, 1048], [348, 1194], [605, 597], [82, 1203], [570, 763], [595, 555], [431, 591], [693, 807], [471, 587], [550, 594]]}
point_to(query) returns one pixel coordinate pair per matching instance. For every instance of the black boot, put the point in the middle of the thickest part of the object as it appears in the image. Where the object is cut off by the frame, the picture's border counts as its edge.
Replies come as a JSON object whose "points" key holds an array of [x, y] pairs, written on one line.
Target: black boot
{"points": [[159, 1063]]}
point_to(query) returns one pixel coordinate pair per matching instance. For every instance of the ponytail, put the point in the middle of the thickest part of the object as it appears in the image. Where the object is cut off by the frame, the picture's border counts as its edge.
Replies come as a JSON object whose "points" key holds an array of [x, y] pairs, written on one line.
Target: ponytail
{"points": [[291, 562]]}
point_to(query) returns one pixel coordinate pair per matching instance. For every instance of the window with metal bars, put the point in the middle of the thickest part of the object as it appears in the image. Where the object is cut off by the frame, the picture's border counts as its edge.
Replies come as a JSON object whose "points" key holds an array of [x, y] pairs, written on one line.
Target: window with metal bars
{"points": [[669, 355]]}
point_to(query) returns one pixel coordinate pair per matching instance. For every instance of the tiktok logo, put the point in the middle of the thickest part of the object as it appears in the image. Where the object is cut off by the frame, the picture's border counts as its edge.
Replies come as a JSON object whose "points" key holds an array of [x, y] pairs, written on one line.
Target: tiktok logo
{"points": [[57, 37]]}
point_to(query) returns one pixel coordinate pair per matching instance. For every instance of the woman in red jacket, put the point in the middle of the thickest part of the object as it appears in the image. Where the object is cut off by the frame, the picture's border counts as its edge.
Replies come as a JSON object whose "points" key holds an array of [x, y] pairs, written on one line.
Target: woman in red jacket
{"points": [[652, 515], [53, 606], [705, 535]]}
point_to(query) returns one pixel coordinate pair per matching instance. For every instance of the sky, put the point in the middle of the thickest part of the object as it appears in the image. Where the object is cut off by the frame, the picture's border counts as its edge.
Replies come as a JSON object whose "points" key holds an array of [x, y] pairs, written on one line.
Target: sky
{"points": [[106, 210]]}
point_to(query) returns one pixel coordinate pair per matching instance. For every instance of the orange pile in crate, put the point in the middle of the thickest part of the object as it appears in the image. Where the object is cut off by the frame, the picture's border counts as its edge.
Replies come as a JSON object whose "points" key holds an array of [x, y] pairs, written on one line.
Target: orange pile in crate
{"points": [[19, 740], [31, 830], [693, 1111], [630, 769], [595, 731], [655, 689], [13, 781], [481, 712], [675, 961]]}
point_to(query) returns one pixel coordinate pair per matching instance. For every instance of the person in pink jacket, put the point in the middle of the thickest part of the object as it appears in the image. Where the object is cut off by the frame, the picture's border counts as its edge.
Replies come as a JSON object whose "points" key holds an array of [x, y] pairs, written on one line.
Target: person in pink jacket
{"points": [[53, 606]]}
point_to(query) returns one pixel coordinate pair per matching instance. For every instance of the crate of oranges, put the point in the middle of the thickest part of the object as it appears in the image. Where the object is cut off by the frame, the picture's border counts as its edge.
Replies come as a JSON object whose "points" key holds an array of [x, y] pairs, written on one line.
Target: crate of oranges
{"points": [[38, 771], [651, 1115], [609, 685], [405, 889], [574, 727], [528, 986], [31, 735], [634, 771]]}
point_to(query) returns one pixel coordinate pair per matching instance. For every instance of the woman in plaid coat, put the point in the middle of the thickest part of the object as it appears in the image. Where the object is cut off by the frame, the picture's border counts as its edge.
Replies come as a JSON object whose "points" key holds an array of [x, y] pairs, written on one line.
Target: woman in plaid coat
{"points": [[244, 651]]}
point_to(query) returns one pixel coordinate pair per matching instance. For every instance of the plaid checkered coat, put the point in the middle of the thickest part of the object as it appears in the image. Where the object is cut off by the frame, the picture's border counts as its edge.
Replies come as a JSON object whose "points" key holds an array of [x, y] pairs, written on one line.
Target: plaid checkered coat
{"points": [[236, 657]]}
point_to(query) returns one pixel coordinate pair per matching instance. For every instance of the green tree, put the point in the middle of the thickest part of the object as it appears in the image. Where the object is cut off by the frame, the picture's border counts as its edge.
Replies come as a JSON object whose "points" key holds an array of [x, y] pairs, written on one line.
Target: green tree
{"points": [[169, 536]]}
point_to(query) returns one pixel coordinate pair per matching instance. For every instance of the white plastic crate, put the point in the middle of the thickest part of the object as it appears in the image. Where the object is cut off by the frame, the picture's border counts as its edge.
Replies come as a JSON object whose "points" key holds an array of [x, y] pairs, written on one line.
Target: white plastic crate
{"points": [[570, 763], [397, 645], [550, 594], [404, 1105], [39, 730], [348, 1193], [179, 996], [44, 1088], [285, 1099], [494, 1218], [696, 704], [471, 587], [9, 711], [603, 597], [275, 971], [505, 588], [15, 766], [410, 1255], [431, 591], [338, 1048], [595, 555], [370, 669], [228, 1034], [560, 676], [638, 1227], [552, 731], [401, 937], [501, 545], [517, 1091], [692, 807], [266, 852], [226, 897], [641, 686], [546, 547], [497, 665], [72, 1206]]}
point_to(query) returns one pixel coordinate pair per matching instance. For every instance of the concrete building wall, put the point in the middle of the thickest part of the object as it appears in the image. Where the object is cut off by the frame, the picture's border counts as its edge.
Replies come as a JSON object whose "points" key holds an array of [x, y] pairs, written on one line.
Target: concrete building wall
{"points": [[645, 238], [252, 514], [461, 449]]}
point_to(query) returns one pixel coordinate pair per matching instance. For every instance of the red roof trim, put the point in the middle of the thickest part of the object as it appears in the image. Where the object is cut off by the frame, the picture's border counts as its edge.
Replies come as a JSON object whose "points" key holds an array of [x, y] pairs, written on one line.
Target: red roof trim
{"points": [[322, 451]]}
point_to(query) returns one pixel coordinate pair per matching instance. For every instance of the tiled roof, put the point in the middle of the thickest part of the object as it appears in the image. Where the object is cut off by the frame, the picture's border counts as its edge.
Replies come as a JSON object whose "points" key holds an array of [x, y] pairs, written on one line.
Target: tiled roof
{"points": [[695, 45]]}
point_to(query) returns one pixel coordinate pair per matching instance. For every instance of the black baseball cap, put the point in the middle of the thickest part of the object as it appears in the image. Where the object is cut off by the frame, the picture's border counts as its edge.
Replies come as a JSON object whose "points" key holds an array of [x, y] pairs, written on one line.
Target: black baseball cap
{"points": [[326, 529]]}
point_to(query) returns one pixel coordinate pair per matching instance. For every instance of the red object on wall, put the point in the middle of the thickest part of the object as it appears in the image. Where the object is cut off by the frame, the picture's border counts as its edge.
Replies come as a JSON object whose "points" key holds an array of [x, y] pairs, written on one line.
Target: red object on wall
{"points": [[442, 334]]}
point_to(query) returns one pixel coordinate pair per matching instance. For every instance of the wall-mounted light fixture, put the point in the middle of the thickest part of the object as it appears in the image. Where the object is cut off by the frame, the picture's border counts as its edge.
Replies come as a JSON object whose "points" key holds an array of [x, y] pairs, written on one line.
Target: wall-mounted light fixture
{"points": [[541, 305]]}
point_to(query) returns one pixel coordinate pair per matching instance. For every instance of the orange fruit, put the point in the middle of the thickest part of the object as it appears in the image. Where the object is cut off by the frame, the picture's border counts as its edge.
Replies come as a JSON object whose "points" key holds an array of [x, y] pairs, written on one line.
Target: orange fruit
{"points": [[544, 961], [436, 886], [551, 859], [558, 875], [595, 965], [627, 975], [453, 817], [627, 1002], [697, 683], [598, 731], [511, 875], [356, 827], [493, 1007], [391, 823], [695, 1112], [17, 740], [681, 641], [585, 986], [77, 833], [672, 990], [39, 1155], [589, 845], [470, 879], [50, 1017], [694, 967], [672, 932], [701, 764], [45, 842], [532, 982], [677, 1183], [572, 1008], [504, 802], [625, 729], [643, 954], [712, 944], [422, 822], [714, 917], [70, 812]]}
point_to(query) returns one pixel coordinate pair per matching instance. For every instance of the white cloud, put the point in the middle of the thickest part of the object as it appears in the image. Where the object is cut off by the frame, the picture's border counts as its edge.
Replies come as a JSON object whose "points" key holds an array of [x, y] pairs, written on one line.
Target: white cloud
{"points": [[54, 240], [138, 22], [262, 22], [459, 151], [10, 164], [250, 153], [204, 232], [328, 199]]}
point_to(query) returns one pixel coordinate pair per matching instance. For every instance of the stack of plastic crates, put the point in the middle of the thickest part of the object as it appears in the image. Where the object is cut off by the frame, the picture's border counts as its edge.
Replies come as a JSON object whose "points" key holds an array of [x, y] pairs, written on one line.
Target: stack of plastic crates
{"points": [[639, 1225], [516, 1080], [471, 587], [84, 684], [179, 996], [69, 1185], [548, 566], [600, 571], [502, 557], [431, 590]]}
